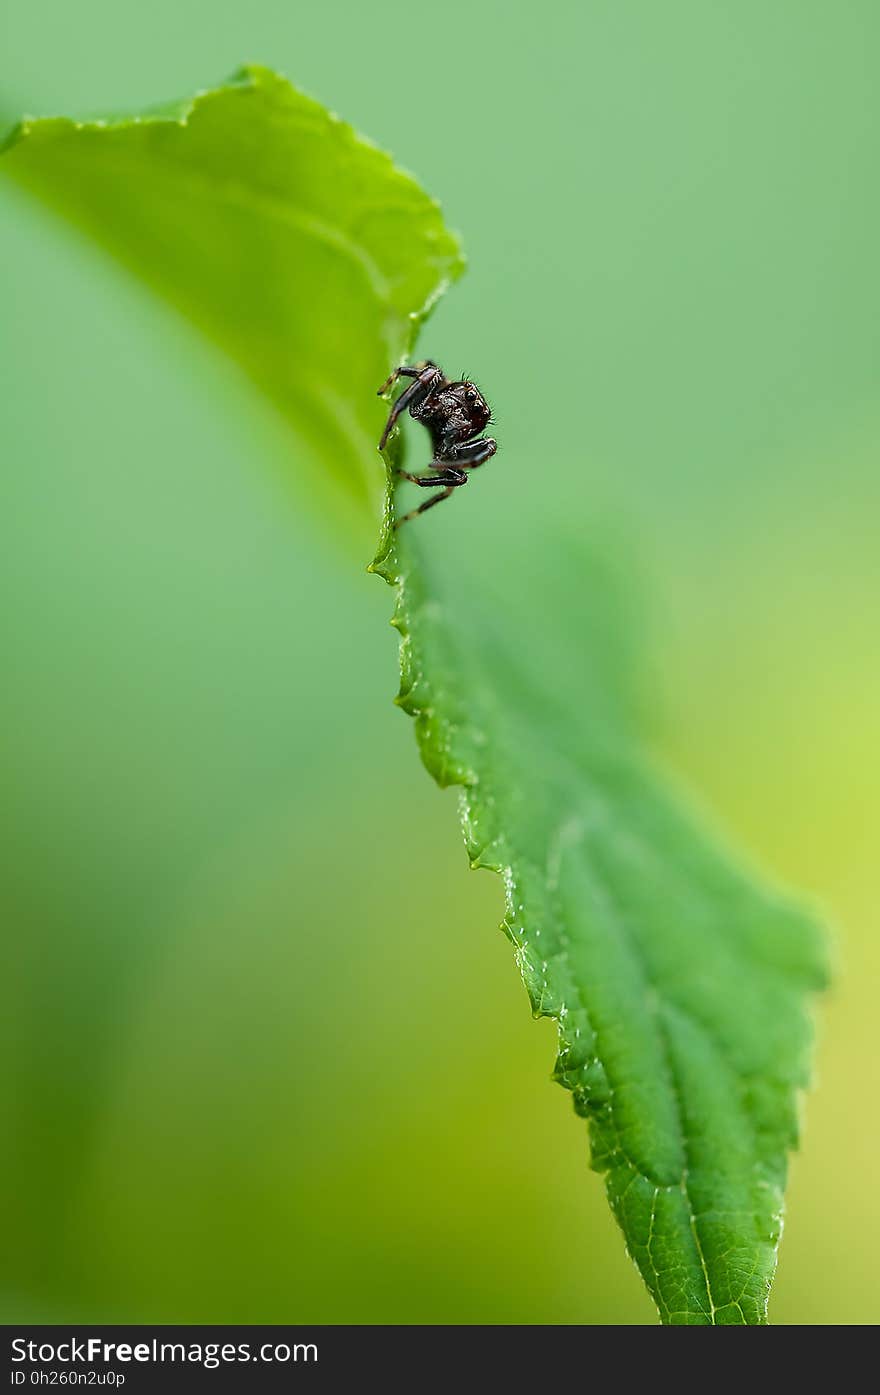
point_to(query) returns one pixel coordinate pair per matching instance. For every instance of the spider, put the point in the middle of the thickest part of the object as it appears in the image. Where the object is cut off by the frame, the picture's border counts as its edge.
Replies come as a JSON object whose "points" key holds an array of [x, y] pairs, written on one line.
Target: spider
{"points": [[455, 413]]}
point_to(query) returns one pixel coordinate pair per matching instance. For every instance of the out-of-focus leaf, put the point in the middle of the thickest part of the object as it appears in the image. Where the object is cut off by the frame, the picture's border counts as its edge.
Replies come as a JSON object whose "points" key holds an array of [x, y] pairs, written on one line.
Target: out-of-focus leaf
{"points": [[679, 985], [295, 244]]}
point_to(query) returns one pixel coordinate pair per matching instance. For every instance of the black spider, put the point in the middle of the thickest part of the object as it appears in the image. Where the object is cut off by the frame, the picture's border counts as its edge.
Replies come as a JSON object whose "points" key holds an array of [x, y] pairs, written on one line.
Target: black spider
{"points": [[455, 413]]}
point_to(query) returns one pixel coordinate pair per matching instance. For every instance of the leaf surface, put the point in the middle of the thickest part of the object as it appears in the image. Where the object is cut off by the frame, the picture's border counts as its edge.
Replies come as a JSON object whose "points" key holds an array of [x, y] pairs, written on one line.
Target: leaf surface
{"points": [[293, 243], [679, 983]]}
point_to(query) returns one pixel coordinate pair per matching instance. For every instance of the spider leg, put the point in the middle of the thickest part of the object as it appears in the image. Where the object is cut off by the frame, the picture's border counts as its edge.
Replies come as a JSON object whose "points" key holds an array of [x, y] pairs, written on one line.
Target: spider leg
{"points": [[428, 504], [451, 478], [403, 372], [418, 391], [472, 454], [446, 474], [392, 379]]}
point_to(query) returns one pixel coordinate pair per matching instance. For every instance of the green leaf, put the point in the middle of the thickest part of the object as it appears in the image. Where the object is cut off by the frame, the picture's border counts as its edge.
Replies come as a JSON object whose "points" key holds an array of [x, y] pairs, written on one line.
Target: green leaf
{"points": [[679, 984], [293, 243]]}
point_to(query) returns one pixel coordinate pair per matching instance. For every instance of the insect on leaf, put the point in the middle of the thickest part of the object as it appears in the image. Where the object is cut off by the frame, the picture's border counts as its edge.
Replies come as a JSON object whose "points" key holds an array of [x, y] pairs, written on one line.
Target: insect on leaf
{"points": [[679, 983]]}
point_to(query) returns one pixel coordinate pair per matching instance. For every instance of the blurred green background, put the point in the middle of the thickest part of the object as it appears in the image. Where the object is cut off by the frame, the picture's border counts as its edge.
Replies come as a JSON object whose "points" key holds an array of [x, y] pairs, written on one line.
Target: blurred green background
{"points": [[266, 1056]]}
